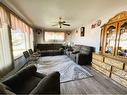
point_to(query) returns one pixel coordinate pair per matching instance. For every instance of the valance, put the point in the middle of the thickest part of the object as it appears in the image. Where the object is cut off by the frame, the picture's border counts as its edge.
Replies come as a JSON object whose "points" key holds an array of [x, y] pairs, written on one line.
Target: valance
{"points": [[3, 17], [18, 24]]}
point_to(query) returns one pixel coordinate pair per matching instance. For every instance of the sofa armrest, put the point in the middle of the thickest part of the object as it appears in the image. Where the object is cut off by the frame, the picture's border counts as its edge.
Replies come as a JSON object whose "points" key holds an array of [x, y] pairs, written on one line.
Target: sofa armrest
{"points": [[48, 85], [75, 52], [40, 75], [84, 59], [20, 76]]}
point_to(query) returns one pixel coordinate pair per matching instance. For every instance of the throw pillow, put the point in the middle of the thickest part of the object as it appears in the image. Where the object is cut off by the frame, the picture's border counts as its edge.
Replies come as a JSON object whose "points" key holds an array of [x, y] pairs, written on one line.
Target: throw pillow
{"points": [[75, 52]]}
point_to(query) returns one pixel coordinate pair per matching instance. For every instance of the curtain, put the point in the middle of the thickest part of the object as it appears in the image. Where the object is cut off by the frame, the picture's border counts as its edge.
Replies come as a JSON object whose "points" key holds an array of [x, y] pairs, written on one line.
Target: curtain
{"points": [[18, 36], [54, 36], [31, 39], [21, 36], [5, 48]]}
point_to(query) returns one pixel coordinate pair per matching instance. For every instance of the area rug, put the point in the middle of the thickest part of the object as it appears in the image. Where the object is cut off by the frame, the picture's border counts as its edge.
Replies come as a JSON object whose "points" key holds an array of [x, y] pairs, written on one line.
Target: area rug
{"points": [[68, 69]]}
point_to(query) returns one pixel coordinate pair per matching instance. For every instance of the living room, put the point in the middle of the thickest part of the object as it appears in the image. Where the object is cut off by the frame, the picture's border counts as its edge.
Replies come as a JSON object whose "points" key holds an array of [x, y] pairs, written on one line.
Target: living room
{"points": [[63, 47]]}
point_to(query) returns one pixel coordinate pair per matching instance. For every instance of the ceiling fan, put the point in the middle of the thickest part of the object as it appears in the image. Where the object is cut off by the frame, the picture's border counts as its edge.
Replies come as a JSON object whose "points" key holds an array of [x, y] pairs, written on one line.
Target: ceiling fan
{"points": [[61, 23]]}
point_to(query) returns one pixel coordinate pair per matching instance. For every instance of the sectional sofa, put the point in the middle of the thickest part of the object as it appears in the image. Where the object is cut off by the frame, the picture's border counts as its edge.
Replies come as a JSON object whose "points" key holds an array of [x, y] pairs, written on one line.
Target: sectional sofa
{"points": [[81, 54], [50, 49]]}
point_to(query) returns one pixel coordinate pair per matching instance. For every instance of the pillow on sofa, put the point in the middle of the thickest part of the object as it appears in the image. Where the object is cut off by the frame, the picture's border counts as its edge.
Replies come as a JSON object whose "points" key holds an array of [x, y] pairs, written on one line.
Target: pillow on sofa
{"points": [[76, 48], [70, 49], [4, 90], [75, 52], [60, 49], [85, 50]]}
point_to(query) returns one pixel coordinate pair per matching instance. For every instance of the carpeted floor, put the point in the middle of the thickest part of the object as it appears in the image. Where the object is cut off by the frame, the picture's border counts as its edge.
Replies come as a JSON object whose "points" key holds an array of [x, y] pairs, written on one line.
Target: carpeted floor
{"points": [[68, 69]]}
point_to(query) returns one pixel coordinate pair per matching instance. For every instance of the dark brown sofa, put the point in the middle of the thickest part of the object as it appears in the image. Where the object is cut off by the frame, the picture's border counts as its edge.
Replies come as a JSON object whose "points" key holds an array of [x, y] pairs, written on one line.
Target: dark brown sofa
{"points": [[50, 49], [81, 54], [28, 81]]}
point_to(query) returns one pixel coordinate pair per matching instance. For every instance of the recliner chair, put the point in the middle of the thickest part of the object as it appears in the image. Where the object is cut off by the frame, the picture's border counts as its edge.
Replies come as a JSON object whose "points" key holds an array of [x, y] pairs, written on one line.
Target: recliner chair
{"points": [[28, 81]]}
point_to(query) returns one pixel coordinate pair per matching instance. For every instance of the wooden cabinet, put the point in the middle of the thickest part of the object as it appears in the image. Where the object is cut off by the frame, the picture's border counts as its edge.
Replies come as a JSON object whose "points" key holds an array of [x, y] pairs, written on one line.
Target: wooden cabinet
{"points": [[119, 80], [102, 70], [125, 68], [102, 64], [98, 57], [114, 36], [99, 64], [114, 62], [120, 73], [111, 67], [112, 58]]}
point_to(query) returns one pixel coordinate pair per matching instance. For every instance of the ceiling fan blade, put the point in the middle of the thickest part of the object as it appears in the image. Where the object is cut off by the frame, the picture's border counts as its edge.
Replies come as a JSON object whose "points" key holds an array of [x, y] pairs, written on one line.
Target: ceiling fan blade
{"points": [[66, 24], [61, 22], [55, 24]]}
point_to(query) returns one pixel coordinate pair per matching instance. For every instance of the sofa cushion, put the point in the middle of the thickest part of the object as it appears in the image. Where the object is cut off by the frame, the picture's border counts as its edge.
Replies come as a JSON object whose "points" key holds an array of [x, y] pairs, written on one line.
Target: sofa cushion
{"points": [[43, 47], [69, 49], [16, 80], [27, 71], [84, 49], [27, 86], [51, 52], [48, 85], [75, 52], [76, 48]]}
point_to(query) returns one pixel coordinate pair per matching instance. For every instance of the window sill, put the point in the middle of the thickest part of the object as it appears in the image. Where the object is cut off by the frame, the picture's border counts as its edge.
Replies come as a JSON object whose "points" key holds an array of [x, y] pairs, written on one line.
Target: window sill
{"points": [[17, 57]]}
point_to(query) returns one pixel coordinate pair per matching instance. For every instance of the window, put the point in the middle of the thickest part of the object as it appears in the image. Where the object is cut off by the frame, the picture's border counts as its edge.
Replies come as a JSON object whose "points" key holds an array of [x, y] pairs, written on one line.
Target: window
{"points": [[20, 33], [54, 36], [22, 39], [18, 40]]}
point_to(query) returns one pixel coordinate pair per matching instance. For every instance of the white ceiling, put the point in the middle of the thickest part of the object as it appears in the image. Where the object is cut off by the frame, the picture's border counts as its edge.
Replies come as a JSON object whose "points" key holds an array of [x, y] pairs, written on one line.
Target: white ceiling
{"points": [[44, 13]]}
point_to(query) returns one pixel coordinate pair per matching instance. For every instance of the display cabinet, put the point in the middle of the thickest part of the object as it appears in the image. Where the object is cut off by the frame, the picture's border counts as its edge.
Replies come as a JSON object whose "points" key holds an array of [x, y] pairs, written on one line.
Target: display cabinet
{"points": [[112, 58], [114, 36], [110, 38], [122, 39]]}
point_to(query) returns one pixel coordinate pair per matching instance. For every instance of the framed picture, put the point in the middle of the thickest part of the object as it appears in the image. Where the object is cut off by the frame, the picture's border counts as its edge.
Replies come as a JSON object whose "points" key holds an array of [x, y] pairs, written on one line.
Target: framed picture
{"points": [[96, 24], [82, 31]]}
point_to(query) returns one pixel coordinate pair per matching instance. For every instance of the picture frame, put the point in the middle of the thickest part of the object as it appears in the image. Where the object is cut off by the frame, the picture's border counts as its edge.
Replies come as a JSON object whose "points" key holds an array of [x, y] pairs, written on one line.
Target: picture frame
{"points": [[96, 24], [82, 31]]}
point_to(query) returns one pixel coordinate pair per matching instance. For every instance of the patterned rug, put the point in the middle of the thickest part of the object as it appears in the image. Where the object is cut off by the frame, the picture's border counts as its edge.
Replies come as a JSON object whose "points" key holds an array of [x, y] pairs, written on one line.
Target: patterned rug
{"points": [[68, 69]]}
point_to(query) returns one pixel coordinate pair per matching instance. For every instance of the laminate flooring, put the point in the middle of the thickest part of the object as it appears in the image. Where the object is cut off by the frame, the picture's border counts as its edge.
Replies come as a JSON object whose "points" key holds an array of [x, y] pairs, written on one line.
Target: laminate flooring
{"points": [[98, 84]]}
